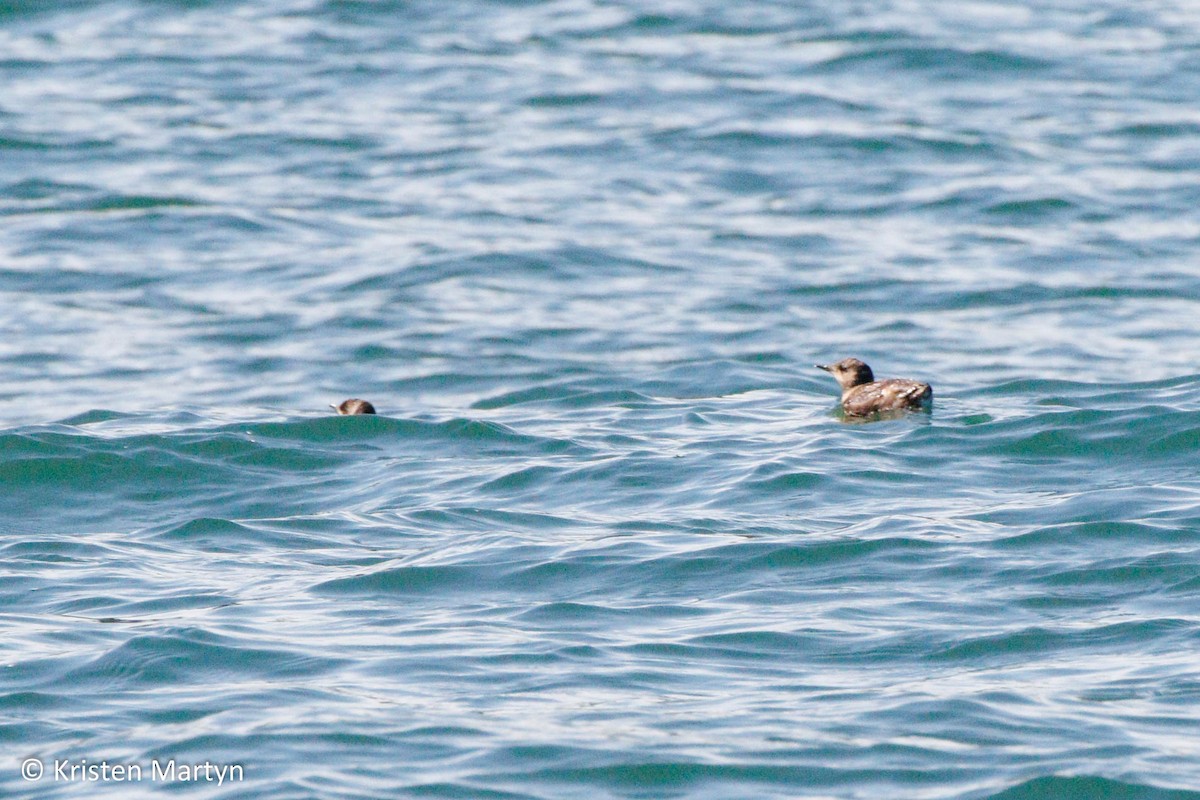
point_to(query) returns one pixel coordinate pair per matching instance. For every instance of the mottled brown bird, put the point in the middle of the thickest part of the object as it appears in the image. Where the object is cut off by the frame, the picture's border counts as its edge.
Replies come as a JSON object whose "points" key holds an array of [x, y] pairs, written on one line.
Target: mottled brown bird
{"points": [[354, 406], [862, 395]]}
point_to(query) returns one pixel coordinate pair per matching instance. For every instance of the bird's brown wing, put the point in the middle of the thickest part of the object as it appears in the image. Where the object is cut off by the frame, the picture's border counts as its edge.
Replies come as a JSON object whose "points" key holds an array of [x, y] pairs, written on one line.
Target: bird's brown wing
{"points": [[893, 394]]}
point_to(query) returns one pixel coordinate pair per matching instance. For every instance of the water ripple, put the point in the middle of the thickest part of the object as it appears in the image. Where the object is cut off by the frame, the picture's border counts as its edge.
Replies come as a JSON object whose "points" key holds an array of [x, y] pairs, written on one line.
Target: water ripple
{"points": [[608, 535]]}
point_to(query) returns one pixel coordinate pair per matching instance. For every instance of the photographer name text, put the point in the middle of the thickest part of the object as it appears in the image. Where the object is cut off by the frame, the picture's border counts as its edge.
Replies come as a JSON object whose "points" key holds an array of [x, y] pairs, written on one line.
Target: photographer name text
{"points": [[66, 770]]}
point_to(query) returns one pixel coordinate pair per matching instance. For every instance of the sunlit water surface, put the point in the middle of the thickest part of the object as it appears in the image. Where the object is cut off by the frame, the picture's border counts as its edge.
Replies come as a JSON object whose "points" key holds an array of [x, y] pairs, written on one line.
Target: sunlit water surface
{"points": [[608, 536]]}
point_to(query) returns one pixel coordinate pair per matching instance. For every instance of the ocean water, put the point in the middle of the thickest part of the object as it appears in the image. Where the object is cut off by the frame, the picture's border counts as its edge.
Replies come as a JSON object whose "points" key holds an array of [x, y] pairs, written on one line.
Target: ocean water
{"points": [[608, 536]]}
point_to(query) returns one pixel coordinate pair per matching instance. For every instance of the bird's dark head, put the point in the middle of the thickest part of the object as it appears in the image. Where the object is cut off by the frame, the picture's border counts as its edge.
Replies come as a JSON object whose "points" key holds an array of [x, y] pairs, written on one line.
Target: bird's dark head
{"points": [[849, 372], [354, 406]]}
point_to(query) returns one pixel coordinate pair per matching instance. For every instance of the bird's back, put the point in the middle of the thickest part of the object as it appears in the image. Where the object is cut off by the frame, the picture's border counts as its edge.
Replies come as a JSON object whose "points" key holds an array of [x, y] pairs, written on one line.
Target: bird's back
{"points": [[892, 394]]}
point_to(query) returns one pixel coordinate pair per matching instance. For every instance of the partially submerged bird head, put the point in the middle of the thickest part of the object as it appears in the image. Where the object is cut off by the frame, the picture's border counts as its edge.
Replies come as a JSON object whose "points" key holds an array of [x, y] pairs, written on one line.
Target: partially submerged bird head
{"points": [[848, 372], [354, 406]]}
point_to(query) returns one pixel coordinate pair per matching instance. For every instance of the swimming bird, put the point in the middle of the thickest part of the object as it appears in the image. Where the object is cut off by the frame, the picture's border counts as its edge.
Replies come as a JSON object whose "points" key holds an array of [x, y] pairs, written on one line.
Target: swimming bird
{"points": [[354, 406], [862, 395]]}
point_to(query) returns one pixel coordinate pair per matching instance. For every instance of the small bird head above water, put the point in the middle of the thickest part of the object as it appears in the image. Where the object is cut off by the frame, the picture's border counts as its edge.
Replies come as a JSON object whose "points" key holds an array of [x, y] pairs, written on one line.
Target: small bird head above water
{"points": [[354, 406], [849, 372]]}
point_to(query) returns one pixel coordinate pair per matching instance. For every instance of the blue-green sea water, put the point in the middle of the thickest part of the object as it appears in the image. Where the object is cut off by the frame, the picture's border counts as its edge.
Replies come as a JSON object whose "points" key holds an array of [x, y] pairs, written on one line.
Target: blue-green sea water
{"points": [[608, 536]]}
